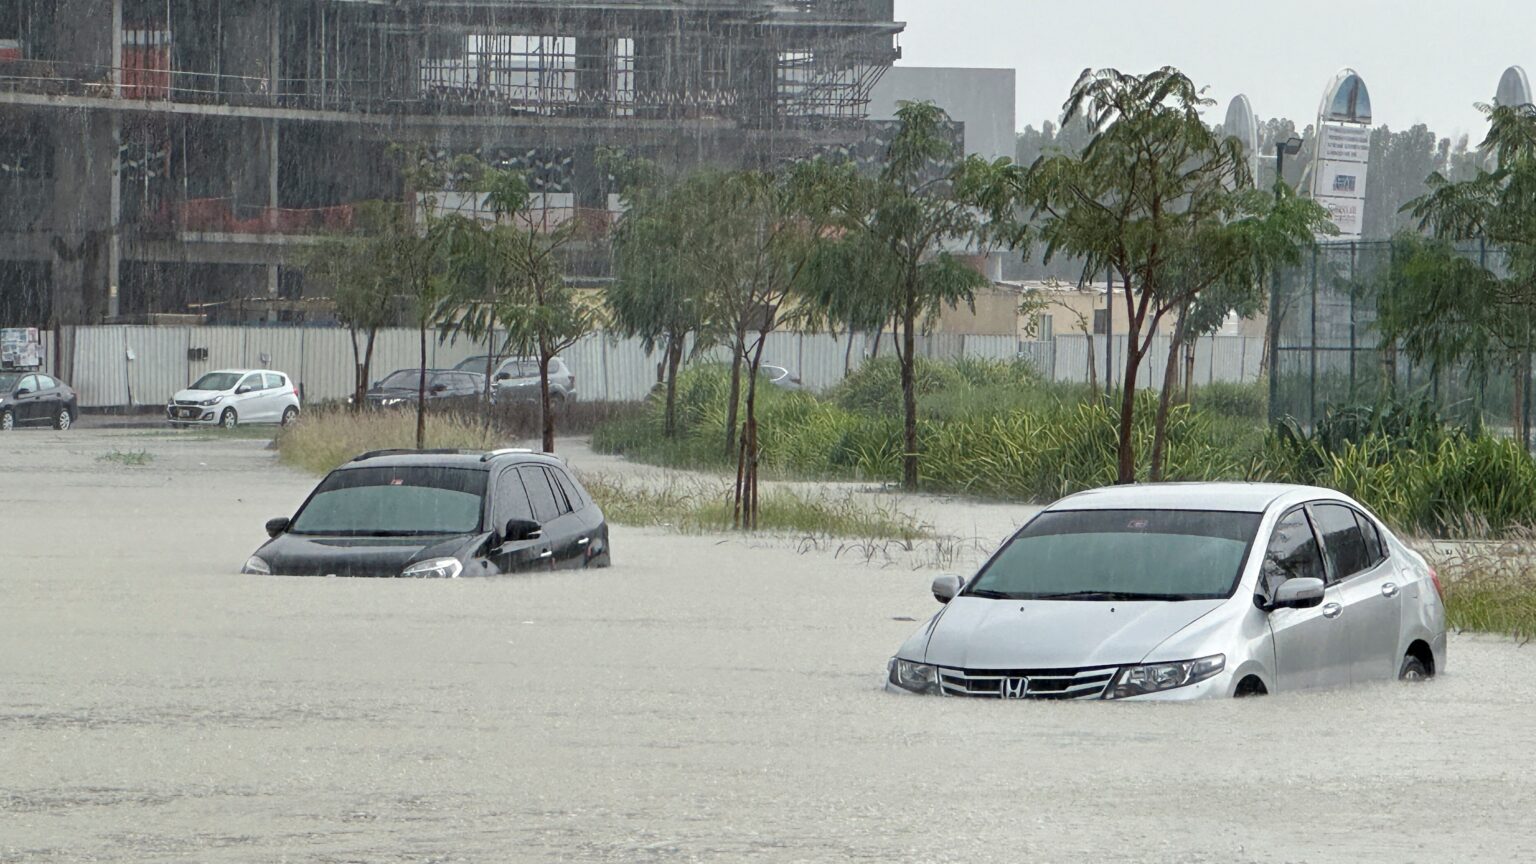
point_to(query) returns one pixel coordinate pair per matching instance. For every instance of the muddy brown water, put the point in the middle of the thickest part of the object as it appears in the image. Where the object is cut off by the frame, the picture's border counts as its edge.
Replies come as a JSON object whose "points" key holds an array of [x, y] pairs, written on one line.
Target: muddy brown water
{"points": [[703, 700]]}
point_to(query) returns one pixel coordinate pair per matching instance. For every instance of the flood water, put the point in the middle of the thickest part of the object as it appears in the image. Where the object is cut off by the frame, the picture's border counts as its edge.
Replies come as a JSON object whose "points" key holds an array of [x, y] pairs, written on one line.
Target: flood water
{"points": [[703, 700]]}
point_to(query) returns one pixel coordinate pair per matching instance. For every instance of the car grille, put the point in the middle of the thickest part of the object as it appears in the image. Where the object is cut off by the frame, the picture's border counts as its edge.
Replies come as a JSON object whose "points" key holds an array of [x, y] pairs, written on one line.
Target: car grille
{"points": [[185, 402], [1041, 683]]}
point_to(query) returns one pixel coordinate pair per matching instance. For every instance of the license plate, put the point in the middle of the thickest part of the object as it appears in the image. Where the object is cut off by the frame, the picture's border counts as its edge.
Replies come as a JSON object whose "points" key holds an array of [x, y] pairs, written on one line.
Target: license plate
{"points": [[189, 413]]}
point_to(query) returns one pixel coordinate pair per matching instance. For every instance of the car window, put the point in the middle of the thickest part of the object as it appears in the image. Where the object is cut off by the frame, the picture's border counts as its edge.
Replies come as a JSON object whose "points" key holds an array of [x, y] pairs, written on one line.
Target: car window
{"points": [[569, 488], [511, 499], [1292, 553], [467, 383], [527, 370], [274, 380], [46, 383], [1375, 547], [540, 494], [1342, 541], [252, 381], [28, 384]]}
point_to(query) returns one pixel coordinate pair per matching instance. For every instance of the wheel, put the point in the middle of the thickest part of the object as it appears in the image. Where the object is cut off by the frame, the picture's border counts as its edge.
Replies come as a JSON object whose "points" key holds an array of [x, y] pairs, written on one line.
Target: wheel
{"points": [[1250, 686], [290, 414], [1413, 670], [229, 419], [64, 419], [7, 420]]}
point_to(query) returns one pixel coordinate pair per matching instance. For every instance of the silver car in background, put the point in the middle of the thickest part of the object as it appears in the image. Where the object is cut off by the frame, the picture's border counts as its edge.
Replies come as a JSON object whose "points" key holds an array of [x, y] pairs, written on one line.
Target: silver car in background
{"points": [[1182, 591], [516, 379]]}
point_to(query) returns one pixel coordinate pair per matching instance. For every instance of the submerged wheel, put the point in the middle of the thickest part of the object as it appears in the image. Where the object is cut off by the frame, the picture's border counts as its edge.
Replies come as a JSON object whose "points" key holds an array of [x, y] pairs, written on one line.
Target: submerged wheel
{"points": [[1413, 669], [289, 415], [7, 420], [63, 420], [229, 419], [1250, 686]]}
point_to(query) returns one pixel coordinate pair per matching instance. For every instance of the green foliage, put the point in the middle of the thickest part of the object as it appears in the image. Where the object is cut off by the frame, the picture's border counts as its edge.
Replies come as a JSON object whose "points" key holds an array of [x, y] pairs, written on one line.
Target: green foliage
{"points": [[1491, 590], [324, 439], [875, 388], [127, 458], [1243, 401]]}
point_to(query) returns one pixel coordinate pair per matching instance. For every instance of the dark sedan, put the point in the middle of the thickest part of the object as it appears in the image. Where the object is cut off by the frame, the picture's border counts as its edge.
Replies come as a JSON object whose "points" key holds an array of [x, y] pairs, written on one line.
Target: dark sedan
{"points": [[442, 514], [446, 389], [35, 399]]}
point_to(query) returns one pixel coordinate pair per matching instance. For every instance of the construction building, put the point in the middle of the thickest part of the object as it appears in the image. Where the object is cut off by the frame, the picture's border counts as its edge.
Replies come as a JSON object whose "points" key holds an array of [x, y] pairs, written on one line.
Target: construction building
{"points": [[165, 157]]}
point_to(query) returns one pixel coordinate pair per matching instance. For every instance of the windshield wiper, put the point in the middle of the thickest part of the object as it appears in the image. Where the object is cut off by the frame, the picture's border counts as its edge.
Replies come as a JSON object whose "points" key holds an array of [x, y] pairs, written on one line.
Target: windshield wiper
{"points": [[1107, 595], [989, 594]]}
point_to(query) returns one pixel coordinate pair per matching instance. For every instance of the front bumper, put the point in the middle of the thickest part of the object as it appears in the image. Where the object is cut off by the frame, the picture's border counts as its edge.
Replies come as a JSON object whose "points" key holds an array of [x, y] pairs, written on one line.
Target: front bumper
{"points": [[1219, 686], [192, 415]]}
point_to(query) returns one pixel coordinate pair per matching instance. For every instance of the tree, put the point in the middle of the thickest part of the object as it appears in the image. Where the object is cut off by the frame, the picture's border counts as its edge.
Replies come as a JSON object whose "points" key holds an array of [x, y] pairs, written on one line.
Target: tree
{"points": [[363, 294], [1146, 199], [902, 224], [1448, 309], [654, 296]]}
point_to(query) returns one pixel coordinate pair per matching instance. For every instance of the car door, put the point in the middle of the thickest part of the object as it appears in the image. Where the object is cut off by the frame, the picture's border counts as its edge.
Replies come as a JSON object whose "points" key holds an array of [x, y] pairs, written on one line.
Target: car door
{"points": [[585, 519], [272, 396], [1311, 645], [248, 404], [510, 501], [1369, 592], [28, 400], [49, 398], [561, 528]]}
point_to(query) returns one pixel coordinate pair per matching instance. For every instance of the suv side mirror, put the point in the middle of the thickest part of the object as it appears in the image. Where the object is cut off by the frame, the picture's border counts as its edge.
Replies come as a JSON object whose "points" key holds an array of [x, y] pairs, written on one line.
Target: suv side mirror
{"points": [[1303, 592], [278, 525], [946, 587], [522, 529]]}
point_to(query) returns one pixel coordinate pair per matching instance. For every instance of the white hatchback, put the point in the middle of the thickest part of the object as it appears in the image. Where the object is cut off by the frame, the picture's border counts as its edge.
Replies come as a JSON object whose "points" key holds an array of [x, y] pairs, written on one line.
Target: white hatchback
{"points": [[230, 397]]}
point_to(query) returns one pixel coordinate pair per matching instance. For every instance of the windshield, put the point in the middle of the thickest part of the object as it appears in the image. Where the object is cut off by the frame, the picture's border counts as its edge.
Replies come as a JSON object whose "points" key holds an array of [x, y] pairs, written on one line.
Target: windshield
{"points": [[217, 381], [472, 364], [394, 502], [8, 380], [410, 378], [1121, 555]]}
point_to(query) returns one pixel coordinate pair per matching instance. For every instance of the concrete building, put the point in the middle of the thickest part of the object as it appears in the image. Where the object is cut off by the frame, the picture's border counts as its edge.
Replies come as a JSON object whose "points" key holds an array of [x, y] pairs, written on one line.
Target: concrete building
{"points": [[160, 156]]}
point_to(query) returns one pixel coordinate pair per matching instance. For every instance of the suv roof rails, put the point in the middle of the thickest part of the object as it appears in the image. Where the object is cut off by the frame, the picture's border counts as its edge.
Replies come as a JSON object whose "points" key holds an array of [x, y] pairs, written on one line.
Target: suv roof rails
{"points": [[504, 451], [407, 451]]}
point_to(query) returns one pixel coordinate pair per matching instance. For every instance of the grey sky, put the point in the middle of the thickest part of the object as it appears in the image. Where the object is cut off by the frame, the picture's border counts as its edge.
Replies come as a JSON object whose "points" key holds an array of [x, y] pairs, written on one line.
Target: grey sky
{"points": [[1424, 62]]}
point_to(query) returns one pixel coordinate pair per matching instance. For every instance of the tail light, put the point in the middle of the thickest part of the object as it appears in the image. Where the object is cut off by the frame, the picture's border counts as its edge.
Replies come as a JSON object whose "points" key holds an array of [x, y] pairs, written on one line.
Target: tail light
{"points": [[1435, 578]]}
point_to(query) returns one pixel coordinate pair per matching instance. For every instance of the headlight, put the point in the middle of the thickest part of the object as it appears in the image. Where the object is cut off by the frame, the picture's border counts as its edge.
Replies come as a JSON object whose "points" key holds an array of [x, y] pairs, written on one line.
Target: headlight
{"points": [[917, 677], [391, 401], [435, 568], [257, 566], [209, 402], [1156, 677]]}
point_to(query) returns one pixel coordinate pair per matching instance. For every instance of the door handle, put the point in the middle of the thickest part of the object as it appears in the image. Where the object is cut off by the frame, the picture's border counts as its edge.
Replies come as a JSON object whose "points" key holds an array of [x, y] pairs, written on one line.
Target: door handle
{"points": [[1332, 610], [583, 541], [1389, 589], [546, 554]]}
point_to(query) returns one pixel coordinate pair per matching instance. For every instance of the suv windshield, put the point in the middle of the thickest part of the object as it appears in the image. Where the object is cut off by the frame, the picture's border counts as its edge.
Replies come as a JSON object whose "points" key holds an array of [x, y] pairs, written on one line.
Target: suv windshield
{"points": [[472, 364], [1121, 555], [217, 381], [394, 502]]}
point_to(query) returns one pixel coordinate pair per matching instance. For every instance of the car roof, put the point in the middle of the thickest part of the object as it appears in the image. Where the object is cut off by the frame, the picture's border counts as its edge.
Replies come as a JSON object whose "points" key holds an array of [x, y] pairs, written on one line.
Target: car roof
{"points": [[478, 460], [1227, 497], [237, 371]]}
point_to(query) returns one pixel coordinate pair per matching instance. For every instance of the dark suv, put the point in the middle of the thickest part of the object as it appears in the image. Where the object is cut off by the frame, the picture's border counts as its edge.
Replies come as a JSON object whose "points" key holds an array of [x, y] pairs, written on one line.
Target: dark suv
{"points": [[439, 513]]}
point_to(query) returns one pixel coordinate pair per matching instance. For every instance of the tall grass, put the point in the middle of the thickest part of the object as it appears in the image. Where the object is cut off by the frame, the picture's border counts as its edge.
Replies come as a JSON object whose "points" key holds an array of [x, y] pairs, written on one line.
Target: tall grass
{"points": [[324, 439], [1491, 588]]}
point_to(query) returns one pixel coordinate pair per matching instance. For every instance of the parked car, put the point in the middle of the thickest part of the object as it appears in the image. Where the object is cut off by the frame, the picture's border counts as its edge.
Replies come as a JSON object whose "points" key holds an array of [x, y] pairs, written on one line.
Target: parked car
{"points": [[1183, 591], [231, 397], [517, 379], [439, 513], [446, 388], [35, 399], [778, 376]]}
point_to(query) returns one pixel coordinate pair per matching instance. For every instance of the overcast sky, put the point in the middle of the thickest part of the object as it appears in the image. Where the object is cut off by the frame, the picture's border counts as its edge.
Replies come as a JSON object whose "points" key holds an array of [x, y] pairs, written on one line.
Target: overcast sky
{"points": [[1423, 62]]}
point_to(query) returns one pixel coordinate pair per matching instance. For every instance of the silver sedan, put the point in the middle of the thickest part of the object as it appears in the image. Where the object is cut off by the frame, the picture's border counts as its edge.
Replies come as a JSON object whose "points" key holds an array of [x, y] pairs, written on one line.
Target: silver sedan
{"points": [[1182, 591]]}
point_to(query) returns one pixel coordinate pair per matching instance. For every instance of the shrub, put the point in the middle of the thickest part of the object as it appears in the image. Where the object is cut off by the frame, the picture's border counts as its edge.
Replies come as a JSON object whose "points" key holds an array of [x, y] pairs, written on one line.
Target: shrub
{"points": [[876, 387], [1244, 401], [322, 440]]}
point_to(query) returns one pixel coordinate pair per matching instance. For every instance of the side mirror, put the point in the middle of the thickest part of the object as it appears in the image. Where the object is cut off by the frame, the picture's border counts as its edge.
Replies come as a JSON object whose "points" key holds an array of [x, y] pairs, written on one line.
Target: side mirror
{"points": [[439, 388], [522, 529], [503, 376], [23, 391], [1303, 592], [946, 587], [278, 525], [241, 391]]}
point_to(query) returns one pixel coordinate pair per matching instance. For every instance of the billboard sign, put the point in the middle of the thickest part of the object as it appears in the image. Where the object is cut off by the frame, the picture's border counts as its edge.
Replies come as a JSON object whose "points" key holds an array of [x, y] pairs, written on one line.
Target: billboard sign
{"points": [[1343, 152]]}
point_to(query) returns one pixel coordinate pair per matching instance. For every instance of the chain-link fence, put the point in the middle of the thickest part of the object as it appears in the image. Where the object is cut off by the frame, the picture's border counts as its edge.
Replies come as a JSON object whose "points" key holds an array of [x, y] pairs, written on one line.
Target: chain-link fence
{"points": [[1329, 351]]}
